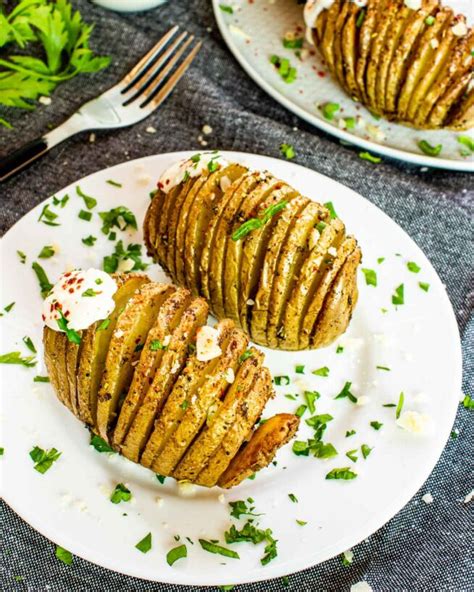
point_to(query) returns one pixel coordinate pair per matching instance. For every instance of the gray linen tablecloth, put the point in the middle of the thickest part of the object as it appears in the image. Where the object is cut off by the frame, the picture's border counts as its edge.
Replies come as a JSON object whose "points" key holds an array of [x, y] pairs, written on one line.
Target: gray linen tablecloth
{"points": [[425, 547]]}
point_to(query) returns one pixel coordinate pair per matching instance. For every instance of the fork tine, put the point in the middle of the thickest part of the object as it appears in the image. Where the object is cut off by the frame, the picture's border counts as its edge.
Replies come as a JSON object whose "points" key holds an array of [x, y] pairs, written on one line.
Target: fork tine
{"points": [[157, 97], [136, 89], [139, 68]]}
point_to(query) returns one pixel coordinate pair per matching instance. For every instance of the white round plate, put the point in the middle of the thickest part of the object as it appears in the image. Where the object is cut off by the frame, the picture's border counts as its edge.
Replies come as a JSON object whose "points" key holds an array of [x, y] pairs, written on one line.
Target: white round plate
{"points": [[254, 32], [70, 504]]}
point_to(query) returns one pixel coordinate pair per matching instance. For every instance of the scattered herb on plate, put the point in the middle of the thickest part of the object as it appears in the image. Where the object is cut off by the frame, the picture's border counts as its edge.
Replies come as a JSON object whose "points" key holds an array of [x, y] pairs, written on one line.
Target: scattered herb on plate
{"points": [[324, 371], [376, 425], [15, 358], [145, 544], [429, 149], [63, 555], [43, 459], [90, 202], [120, 217], [177, 553], [424, 286], [120, 494], [100, 444], [399, 296], [218, 549], [370, 157], [370, 276], [29, 344], [283, 66], [343, 473]]}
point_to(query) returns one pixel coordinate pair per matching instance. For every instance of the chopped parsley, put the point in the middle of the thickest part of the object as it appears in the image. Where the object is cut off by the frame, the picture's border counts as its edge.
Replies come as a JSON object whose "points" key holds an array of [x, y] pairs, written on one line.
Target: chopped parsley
{"points": [[240, 507], [160, 478], [90, 202], [320, 226], [15, 358], [41, 379], [287, 151], [370, 157], [46, 252], [467, 402], [226, 8], [424, 286], [284, 68], [63, 555], [293, 498], [133, 252], [45, 285], [292, 42], [322, 450], [380, 260], [339, 349], [113, 183], [366, 450], [301, 522], [60, 202], [300, 411], [145, 544], [155, 345], [350, 433], [22, 256], [291, 397], [324, 371], [251, 534], [330, 206], [399, 296], [299, 369], [386, 368], [329, 110], [370, 276], [399, 408], [360, 18], [43, 459], [467, 141], [89, 293], [112, 236], [352, 454], [103, 325], [430, 20], [256, 223], [184, 405], [346, 393], [315, 445], [120, 494], [343, 473], [177, 553], [350, 122], [85, 215], [310, 398], [100, 444], [2, 451], [218, 549], [429, 149], [48, 217], [281, 380], [72, 335], [89, 240], [376, 425], [246, 355], [413, 267], [9, 307], [120, 217], [29, 344]]}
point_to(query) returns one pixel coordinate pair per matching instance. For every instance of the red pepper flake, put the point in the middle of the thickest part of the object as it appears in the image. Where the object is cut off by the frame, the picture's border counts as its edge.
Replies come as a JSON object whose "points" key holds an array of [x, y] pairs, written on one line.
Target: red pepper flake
{"points": [[66, 313], [43, 317], [71, 290], [322, 74]]}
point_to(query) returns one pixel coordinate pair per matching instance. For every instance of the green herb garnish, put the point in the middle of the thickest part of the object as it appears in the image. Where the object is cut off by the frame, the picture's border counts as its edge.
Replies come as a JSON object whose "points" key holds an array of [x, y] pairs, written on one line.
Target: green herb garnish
{"points": [[399, 296], [329, 110], [344, 473], [386, 368], [401, 400], [85, 215], [246, 355], [299, 369], [370, 276], [103, 325], [352, 454], [45, 284], [90, 202], [376, 425], [424, 286], [282, 380], [226, 8], [156, 344], [120, 494], [113, 183], [46, 216], [366, 450], [330, 206], [310, 397], [41, 379], [413, 267], [428, 149], [15, 358], [9, 307], [120, 217], [292, 43], [293, 498], [467, 141], [72, 335], [287, 151], [370, 157], [60, 202], [22, 256], [43, 459], [430, 20], [467, 402], [145, 544], [360, 18], [100, 444], [132, 252], [177, 553], [346, 392], [284, 68], [350, 433], [256, 223], [218, 549], [240, 507], [63, 555], [89, 240], [160, 478], [29, 344], [324, 371], [46, 252], [339, 349]]}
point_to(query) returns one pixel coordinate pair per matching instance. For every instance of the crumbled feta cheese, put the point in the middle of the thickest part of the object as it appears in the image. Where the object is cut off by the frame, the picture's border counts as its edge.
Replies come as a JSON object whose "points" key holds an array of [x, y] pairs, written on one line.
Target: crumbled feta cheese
{"points": [[361, 587], [144, 179], [251, 302], [313, 238], [45, 100], [186, 489], [413, 4], [434, 43], [206, 129], [413, 422], [230, 375], [150, 130], [427, 498], [460, 29], [159, 501], [376, 132], [238, 32], [221, 498], [207, 344], [125, 265], [166, 340], [469, 497], [119, 333], [363, 400], [92, 138], [202, 141], [225, 183], [332, 251]]}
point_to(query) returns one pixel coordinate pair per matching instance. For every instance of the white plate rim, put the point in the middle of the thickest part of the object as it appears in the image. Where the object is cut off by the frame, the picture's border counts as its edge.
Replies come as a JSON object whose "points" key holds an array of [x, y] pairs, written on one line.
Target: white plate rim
{"points": [[410, 157], [371, 526]]}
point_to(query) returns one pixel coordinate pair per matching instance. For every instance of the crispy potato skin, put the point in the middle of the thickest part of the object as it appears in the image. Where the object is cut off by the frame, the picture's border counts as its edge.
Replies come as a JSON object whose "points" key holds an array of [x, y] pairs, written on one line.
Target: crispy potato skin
{"points": [[265, 280], [409, 66], [169, 409]]}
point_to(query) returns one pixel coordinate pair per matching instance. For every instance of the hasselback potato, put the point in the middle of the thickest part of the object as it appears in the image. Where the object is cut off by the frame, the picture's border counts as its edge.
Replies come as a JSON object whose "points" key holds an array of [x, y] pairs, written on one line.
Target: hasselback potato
{"points": [[276, 263], [410, 61], [167, 391]]}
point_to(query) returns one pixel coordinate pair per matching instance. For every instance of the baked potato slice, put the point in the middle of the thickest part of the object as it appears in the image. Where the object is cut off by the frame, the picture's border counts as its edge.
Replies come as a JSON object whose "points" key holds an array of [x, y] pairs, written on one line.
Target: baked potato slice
{"points": [[221, 238], [73, 355], [408, 46], [259, 452], [208, 235], [184, 392], [171, 366], [339, 304], [220, 418], [249, 208], [460, 117], [55, 344], [334, 262], [452, 68], [284, 226], [193, 233], [95, 345], [294, 251], [173, 303], [211, 392], [337, 42], [248, 413], [130, 333], [151, 222], [349, 48], [328, 36], [365, 39], [399, 23]]}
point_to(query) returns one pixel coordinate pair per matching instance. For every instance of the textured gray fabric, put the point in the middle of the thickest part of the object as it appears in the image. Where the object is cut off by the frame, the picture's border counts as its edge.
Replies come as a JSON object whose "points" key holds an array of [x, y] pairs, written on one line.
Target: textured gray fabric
{"points": [[425, 547]]}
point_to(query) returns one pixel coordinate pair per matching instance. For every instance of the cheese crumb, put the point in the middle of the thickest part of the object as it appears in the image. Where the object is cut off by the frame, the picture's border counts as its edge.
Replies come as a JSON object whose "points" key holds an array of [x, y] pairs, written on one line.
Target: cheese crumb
{"points": [[166, 340], [225, 183], [230, 375], [361, 587], [221, 498], [206, 129], [413, 4], [434, 43], [459, 29], [144, 179], [186, 489], [427, 498], [150, 130], [207, 344], [159, 501], [332, 251], [413, 422], [45, 100], [92, 138], [363, 400]]}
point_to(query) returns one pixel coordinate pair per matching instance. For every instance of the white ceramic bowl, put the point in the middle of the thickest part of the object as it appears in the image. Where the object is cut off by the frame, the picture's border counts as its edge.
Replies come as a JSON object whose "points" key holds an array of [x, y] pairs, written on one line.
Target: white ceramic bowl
{"points": [[128, 5]]}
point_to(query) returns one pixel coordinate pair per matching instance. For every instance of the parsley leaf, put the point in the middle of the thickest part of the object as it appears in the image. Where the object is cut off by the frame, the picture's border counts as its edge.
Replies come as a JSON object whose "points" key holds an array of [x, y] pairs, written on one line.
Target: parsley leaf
{"points": [[376, 425], [45, 285], [346, 392], [343, 473], [100, 444], [120, 217], [177, 553], [63, 555], [284, 68], [145, 544], [43, 459], [399, 295], [413, 267], [29, 344], [72, 335], [366, 450], [89, 240], [324, 371], [370, 276], [130, 258], [467, 402], [90, 202], [399, 408], [255, 223], [46, 252], [218, 549], [15, 358], [120, 494], [287, 151]]}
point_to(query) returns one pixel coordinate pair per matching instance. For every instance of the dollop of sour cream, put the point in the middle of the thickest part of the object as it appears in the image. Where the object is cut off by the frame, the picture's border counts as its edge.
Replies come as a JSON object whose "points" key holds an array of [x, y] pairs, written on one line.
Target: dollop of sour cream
{"points": [[190, 167], [82, 297], [312, 10]]}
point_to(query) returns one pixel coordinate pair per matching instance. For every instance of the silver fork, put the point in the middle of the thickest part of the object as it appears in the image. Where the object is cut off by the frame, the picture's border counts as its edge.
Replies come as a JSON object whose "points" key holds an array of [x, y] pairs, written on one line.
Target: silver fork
{"points": [[135, 97]]}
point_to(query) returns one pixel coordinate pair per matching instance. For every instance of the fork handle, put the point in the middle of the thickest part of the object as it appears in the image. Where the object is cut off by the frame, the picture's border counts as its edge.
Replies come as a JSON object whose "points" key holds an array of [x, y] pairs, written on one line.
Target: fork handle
{"points": [[22, 158]]}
